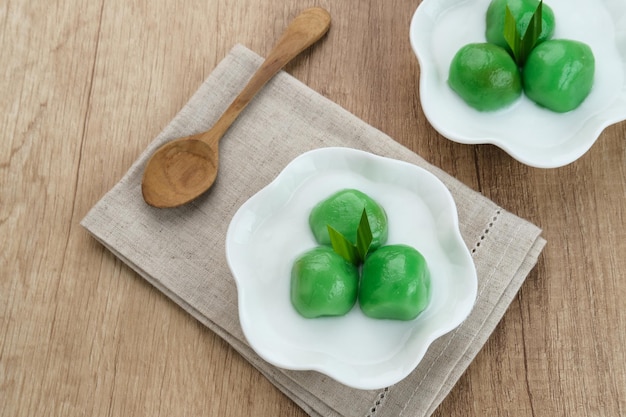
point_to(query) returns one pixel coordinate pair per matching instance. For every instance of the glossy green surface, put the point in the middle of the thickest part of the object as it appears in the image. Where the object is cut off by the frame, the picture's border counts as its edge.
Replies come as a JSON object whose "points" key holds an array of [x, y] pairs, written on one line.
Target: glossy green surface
{"points": [[323, 284], [559, 74], [343, 211], [523, 11], [395, 283], [485, 76]]}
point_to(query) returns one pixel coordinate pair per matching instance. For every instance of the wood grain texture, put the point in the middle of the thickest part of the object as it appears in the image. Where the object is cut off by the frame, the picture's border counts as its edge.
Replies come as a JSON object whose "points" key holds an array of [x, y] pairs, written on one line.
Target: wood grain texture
{"points": [[87, 85]]}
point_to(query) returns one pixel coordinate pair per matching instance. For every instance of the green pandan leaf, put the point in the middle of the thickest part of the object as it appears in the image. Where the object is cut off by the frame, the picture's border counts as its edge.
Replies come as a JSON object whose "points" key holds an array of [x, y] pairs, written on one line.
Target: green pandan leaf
{"points": [[521, 45], [363, 236], [533, 31], [351, 252], [511, 34], [343, 246]]}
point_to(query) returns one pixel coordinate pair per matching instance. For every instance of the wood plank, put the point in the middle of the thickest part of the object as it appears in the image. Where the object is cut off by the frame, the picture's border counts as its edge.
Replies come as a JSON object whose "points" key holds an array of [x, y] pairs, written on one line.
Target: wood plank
{"points": [[48, 55]]}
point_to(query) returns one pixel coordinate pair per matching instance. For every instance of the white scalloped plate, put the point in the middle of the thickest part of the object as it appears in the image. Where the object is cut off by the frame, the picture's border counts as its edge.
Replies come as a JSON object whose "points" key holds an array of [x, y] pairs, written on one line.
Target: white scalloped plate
{"points": [[533, 135], [271, 229]]}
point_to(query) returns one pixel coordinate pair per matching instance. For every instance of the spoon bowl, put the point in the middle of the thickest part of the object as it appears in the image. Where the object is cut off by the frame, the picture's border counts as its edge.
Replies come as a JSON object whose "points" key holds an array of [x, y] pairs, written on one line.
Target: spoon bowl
{"points": [[185, 168], [180, 171]]}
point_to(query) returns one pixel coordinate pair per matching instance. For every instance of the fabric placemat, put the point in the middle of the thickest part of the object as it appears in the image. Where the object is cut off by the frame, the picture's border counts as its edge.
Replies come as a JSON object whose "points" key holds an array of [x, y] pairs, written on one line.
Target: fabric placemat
{"points": [[181, 251]]}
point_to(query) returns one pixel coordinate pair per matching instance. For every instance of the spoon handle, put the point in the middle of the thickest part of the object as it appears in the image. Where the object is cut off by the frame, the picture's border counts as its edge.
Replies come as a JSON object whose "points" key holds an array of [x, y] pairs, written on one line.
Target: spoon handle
{"points": [[303, 31]]}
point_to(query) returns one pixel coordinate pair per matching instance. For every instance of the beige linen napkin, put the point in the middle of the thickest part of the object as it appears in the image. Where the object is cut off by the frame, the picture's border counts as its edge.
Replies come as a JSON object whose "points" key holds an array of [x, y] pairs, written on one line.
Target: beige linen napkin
{"points": [[182, 251]]}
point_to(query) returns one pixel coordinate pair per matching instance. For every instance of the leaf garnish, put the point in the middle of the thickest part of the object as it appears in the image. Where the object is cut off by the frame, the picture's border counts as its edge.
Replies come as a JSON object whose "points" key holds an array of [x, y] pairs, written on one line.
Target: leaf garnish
{"points": [[521, 45], [363, 236], [343, 246], [511, 34], [354, 253]]}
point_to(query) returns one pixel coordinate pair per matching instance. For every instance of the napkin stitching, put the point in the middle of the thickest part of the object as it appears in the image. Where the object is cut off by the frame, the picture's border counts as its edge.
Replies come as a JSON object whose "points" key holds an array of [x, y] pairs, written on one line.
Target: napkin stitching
{"points": [[486, 231], [379, 402], [455, 332]]}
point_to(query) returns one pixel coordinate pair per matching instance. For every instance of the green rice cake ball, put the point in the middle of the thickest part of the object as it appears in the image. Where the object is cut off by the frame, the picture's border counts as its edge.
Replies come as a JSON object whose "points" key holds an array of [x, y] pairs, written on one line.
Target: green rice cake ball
{"points": [[559, 74], [323, 283], [343, 211], [485, 76], [395, 283], [522, 11]]}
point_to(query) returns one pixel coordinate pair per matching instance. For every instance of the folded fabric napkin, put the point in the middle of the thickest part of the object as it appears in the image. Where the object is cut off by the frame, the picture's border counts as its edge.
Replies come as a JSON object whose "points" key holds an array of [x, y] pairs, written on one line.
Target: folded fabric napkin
{"points": [[181, 251]]}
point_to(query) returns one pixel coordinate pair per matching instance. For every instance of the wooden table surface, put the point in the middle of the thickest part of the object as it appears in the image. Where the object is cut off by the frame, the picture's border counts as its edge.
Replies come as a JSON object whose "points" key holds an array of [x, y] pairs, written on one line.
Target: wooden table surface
{"points": [[86, 85]]}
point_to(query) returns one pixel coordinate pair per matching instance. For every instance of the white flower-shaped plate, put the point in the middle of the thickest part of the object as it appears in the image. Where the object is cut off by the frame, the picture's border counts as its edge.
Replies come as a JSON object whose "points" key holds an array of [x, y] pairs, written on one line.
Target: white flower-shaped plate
{"points": [[271, 229], [533, 135]]}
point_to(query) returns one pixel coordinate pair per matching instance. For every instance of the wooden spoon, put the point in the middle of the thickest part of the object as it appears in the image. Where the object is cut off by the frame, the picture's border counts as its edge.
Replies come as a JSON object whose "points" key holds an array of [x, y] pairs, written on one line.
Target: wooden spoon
{"points": [[185, 168]]}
